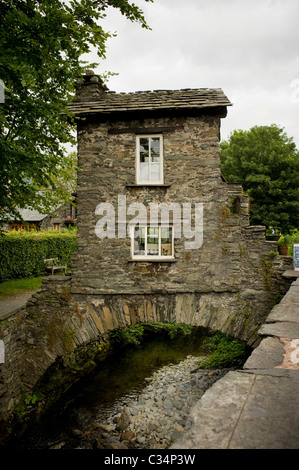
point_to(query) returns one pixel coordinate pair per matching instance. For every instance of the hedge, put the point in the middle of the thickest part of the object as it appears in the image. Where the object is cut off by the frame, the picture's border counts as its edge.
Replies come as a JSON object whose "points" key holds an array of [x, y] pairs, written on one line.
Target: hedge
{"points": [[22, 254]]}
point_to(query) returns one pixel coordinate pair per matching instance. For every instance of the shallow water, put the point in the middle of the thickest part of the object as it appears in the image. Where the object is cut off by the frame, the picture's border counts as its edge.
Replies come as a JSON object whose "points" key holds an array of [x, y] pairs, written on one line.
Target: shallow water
{"points": [[104, 392]]}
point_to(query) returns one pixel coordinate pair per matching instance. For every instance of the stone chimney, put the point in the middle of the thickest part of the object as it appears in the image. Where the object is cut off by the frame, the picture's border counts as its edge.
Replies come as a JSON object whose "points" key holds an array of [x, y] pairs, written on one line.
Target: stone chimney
{"points": [[90, 87]]}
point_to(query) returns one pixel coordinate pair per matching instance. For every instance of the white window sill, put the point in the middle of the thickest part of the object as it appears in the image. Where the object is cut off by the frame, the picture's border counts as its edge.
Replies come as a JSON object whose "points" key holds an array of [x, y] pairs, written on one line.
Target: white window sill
{"points": [[140, 185], [152, 260]]}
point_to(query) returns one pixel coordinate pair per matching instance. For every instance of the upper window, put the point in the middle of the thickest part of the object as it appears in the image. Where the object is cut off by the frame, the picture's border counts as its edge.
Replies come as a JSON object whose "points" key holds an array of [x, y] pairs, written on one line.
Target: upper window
{"points": [[149, 159]]}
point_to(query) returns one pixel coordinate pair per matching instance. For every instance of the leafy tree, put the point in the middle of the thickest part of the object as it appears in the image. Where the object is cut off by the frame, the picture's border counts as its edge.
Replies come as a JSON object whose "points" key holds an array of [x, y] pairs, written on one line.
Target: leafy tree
{"points": [[266, 162], [41, 44]]}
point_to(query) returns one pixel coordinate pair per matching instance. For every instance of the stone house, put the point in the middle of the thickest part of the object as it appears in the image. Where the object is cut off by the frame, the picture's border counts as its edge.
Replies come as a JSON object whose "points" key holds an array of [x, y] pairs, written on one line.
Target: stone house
{"points": [[200, 261], [64, 215]]}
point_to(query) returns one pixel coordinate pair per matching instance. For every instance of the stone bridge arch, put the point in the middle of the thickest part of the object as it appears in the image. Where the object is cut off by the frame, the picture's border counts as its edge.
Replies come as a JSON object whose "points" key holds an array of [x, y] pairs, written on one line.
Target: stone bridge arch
{"points": [[108, 312], [56, 324], [60, 324]]}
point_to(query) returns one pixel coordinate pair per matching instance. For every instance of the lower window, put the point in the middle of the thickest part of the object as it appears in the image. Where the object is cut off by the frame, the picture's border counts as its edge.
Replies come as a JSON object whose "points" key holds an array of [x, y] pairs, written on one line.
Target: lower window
{"points": [[152, 242]]}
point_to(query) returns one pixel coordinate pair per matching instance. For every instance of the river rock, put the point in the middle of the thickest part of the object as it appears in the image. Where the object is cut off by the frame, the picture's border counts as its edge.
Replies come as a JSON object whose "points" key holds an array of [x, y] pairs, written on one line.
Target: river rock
{"points": [[105, 427], [127, 435], [171, 390], [116, 445], [57, 446], [77, 433], [156, 416], [123, 422]]}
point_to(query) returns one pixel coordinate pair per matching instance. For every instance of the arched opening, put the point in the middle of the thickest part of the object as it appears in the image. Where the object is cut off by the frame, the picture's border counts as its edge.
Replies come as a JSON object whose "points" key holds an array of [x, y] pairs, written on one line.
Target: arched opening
{"points": [[147, 369]]}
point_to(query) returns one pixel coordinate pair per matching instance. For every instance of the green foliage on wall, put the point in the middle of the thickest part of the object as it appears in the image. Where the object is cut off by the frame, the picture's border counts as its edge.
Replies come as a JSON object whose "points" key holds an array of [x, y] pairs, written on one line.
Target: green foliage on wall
{"points": [[224, 351], [22, 254], [134, 334]]}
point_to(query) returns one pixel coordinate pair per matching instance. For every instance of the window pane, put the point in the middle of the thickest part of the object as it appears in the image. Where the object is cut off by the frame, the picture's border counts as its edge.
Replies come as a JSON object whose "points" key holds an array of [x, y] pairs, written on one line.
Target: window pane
{"points": [[166, 241], [144, 172], [144, 158], [155, 149], [139, 241], [144, 149], [152, 241], [155, 172]]}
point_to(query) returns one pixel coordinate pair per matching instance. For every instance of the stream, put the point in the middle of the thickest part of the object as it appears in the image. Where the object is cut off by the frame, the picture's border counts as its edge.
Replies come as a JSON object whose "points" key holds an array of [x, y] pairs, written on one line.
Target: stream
{"points": [[139, 397]]}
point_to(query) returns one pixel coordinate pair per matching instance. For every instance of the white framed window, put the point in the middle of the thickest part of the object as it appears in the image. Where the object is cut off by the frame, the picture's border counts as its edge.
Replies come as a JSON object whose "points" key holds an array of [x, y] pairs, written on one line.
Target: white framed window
{"points": [[149, 159], [152, 242]]}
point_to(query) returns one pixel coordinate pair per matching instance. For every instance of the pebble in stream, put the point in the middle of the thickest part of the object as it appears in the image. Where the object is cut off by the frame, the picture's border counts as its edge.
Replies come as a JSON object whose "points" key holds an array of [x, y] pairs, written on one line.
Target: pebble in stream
{"points": [[160, 413]]}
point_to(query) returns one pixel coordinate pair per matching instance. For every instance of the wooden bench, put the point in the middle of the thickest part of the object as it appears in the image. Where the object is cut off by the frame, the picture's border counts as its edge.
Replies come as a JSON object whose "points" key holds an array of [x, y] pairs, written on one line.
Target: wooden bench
{"points": [[52, 265]]}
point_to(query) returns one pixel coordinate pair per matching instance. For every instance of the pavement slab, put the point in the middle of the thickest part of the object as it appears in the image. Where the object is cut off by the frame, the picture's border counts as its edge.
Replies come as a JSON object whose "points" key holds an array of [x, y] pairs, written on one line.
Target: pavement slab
{"points": [[213, 418], [269, 353], [280, 329], [11, 303], [246, 411], [284, 312]]}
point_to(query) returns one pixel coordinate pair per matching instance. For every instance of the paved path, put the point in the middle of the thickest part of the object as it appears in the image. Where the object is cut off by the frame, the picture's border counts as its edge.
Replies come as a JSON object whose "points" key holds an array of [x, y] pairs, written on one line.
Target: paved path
{"points": [[257, 407], [11, 303]]}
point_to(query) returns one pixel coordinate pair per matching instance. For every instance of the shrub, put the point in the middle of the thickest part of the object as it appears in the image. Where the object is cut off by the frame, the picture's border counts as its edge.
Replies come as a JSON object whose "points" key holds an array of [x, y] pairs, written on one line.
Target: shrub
{"points": [[284, 240], [224, 351], [22, 254], [134, 334]]}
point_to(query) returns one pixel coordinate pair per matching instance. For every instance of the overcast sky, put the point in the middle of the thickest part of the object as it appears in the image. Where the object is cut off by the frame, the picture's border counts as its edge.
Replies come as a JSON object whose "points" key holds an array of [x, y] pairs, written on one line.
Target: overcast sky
{"points": [[249, 48]]}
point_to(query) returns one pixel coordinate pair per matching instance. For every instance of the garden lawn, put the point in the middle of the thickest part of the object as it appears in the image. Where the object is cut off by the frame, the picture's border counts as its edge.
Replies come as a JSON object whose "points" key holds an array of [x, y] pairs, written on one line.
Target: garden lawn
{"points": [[8, 288]]}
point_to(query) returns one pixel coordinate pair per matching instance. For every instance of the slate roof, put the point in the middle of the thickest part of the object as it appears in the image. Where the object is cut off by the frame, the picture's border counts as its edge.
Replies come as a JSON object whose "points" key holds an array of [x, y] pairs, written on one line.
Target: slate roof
{"points": [[189, 98], [31, 215]]}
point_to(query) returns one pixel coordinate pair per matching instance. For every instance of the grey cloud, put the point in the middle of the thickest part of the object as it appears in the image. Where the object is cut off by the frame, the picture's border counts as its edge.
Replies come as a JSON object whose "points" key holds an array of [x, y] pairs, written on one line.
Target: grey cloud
{"points": [[249, 48]]}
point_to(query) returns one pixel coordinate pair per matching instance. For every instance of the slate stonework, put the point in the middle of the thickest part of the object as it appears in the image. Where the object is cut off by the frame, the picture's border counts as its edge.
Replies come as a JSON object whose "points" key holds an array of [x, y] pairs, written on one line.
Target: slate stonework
{"points": [[227, 279]]}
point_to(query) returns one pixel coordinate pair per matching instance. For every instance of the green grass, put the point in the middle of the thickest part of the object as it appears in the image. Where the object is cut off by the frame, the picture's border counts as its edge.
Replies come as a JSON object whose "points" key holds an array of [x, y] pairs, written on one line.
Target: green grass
{"points": [[18, 286]]}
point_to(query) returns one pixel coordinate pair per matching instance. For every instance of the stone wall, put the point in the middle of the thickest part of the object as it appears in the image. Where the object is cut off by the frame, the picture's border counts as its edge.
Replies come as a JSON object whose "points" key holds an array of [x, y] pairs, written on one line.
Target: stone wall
{"points": [[34, 338], [192, 169]]}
